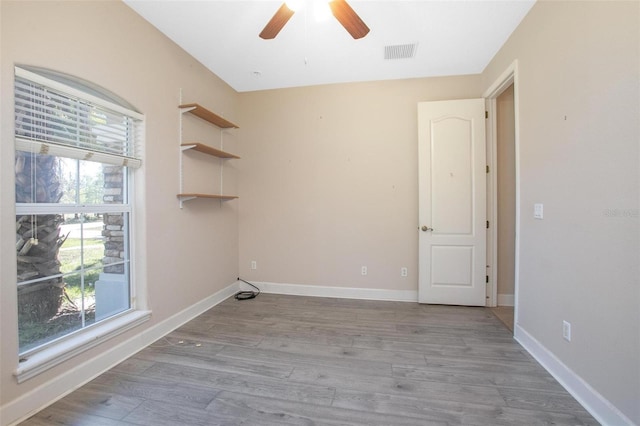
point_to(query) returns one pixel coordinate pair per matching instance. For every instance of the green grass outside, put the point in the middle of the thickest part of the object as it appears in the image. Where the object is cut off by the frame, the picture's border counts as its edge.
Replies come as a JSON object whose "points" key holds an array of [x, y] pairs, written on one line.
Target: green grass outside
{"points": [[75, 242], [69, 255]]}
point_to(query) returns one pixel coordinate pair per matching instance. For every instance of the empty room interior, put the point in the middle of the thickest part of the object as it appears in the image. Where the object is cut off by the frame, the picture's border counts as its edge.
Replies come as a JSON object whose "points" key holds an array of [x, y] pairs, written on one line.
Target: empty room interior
{"points": [[233, 212]]}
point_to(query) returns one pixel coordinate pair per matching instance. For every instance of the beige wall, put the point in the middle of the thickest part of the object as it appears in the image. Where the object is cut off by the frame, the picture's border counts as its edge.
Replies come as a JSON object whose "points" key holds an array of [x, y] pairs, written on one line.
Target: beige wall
{"points": [[191, 253], [329, 181], [506, 196], [578, 100]]}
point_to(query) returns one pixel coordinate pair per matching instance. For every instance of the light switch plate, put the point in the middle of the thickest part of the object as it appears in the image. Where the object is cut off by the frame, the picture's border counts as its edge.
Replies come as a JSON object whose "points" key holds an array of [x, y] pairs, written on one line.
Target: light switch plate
{"points": [[538, 211]]}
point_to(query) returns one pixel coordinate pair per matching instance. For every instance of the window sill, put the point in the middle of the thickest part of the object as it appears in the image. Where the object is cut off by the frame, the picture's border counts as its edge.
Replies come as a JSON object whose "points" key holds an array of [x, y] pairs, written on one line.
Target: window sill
{"points": [[60, 352]]}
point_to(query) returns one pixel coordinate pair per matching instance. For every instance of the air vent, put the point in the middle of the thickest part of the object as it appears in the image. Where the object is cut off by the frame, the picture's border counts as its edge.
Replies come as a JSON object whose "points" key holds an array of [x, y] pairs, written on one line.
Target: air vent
{"points": [[400, 51]]}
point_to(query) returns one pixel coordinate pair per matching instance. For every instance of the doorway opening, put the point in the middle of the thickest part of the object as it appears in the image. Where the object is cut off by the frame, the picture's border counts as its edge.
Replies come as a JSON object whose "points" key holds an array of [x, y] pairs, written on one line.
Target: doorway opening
{"points": [[502, 197]]}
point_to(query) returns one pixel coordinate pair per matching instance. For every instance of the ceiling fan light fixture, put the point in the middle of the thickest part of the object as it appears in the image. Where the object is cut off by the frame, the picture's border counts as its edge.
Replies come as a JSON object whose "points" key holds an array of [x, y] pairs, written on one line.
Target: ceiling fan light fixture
{"points": [[321, 10], [279, 19], [348, 18], [294, 5], [340, 9]]}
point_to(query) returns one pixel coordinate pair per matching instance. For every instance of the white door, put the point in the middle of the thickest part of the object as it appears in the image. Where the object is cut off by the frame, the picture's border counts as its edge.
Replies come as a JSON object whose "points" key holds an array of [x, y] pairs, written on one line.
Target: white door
{"points": [[452, 202]]}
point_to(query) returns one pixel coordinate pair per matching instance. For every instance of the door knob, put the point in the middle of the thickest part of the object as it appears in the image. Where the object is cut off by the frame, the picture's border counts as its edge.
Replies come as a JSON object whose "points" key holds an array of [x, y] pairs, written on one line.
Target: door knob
{"points": [[425, 228]]}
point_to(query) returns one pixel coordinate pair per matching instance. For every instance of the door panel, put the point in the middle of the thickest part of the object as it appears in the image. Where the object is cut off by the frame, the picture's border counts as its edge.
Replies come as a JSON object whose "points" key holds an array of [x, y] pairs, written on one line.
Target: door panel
{"points": [[451, 266], [451, 183], [452, 202]]}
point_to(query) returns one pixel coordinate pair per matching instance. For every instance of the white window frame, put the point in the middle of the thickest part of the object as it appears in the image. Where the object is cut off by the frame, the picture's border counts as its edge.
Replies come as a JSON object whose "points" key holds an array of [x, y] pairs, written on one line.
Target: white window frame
{"points": [[48, 355]]}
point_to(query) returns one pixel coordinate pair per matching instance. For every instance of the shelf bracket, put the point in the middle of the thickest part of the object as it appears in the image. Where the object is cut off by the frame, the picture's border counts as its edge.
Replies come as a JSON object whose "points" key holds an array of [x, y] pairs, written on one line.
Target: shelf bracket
{"points": [[187, 109], [182, 199]]}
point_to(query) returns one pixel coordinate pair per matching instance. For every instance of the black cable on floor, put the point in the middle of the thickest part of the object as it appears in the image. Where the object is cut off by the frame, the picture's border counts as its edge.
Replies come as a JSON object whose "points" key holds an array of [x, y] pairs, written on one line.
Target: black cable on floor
{"points": [[247, 294]]}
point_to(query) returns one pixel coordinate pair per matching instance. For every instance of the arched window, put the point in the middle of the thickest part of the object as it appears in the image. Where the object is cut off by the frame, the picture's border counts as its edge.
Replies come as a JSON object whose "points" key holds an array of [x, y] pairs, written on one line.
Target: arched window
{"points": [[76, 148]]}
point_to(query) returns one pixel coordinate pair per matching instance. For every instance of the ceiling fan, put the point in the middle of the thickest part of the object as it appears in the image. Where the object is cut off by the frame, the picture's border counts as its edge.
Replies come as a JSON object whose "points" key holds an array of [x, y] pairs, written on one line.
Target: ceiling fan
{"points": [[340, 9]]}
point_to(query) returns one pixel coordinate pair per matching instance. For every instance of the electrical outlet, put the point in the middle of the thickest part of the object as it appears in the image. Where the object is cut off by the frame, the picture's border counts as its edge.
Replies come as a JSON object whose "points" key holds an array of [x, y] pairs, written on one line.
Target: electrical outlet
{"points": [[404, 272], [254, 264], [364, 270], [566, 330]]}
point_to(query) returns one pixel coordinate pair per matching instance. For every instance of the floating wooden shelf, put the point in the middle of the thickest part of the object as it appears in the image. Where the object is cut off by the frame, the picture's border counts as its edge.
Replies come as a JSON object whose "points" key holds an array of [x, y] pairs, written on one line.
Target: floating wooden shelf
{"points": [[206, 149], [205, 114], [213, 118], [191, 196]]}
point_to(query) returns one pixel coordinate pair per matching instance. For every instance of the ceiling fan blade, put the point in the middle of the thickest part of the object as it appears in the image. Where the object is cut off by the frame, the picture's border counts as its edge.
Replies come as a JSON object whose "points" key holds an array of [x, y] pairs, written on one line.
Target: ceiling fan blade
{"points": [[348, 18], [279, 19]]}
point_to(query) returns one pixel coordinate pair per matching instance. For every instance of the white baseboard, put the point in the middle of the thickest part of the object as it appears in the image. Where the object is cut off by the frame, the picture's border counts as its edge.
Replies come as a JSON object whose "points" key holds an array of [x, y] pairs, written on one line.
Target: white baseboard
{"points": [[597, 405], [339, 292], [46, 394], [506, 300]]}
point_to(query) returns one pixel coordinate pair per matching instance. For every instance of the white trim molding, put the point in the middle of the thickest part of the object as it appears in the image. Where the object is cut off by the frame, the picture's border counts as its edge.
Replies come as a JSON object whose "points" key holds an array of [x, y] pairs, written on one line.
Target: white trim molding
{"points": [[338, 292], [509, 76], [506, 299], [596, 404], [72, 346], [31, 402]]}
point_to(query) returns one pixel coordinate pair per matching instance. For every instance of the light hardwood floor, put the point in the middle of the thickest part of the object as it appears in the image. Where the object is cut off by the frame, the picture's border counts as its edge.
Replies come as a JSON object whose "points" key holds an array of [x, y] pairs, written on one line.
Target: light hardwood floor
{"points": [[280, 360], [504, 314]]}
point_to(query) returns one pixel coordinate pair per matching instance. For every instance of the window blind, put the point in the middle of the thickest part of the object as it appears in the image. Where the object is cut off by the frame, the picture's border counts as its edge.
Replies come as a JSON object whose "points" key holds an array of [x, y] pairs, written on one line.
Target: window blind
{"points": [[51, 119]]}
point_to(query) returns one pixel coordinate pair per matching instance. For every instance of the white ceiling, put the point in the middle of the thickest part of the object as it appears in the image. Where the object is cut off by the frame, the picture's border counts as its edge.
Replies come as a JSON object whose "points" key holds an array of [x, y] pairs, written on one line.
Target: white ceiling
{"points": [[453, 38]]}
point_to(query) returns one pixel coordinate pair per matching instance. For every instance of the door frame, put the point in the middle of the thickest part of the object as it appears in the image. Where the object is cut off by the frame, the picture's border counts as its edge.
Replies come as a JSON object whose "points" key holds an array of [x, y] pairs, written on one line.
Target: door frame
{"points": [[508, 77]]}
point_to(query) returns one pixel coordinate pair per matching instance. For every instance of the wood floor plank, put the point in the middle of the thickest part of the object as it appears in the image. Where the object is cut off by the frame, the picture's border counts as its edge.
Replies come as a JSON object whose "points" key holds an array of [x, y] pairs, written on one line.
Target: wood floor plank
{"points": [[292, 413], [242, 383], [449, 412], [169, 414], [538, 382], [403, 342], [343, 379], [193, 353], [489, 330], [290, 360], [218, 336], [102, 403], [289, 329], [328, 339], [446, 350], [133, 366], [222, 364], [146, 388], [362, 354], [448, 364], [540, 401], [294, 359], [329, 324], [62, 416], [177, 345], [507, 416]]}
